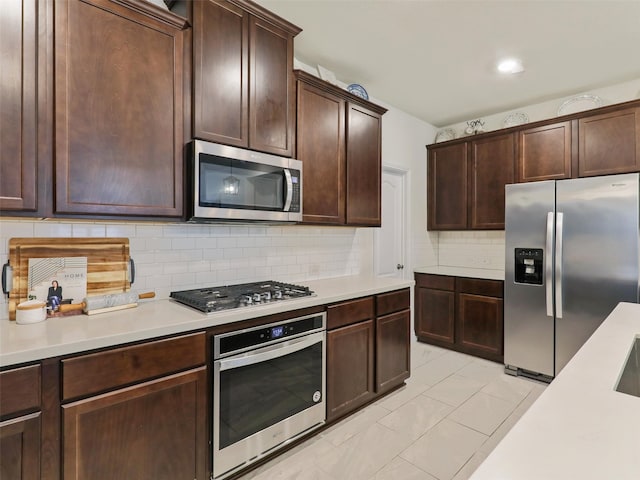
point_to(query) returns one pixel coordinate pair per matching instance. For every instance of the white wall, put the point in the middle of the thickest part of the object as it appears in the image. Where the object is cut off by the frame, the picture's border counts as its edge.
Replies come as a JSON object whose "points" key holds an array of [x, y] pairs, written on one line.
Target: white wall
{"points": [[617, 93]]}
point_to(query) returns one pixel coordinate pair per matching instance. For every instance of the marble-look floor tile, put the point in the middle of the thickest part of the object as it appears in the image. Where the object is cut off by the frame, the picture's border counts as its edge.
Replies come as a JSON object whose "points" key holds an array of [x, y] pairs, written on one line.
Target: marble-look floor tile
{"points": [[400, 469], [444, 449], [482, 370], [360, 457], [439, 368], [512, 389], [454, 390], [417, 416], [483, 412], [422, 353], [401, 396], [354, 424]]}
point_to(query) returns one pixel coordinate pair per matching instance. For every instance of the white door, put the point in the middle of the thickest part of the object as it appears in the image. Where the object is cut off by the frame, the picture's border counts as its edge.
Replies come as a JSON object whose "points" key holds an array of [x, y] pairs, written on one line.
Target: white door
{"points": [[389, 240]]}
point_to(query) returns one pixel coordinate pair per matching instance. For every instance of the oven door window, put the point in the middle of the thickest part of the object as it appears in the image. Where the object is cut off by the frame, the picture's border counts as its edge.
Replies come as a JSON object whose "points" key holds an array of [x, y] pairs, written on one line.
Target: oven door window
{"points": [[256, 396], [231, 183]]}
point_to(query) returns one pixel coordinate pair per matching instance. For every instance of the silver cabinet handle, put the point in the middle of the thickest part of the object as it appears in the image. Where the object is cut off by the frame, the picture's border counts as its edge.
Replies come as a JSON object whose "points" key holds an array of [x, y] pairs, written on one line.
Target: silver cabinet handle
{"points": [[559, 226], [548, 270]]}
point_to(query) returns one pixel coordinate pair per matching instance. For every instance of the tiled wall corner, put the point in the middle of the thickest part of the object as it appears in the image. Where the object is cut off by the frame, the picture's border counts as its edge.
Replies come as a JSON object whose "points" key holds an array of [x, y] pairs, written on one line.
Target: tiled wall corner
{"points": [[472, 249]]}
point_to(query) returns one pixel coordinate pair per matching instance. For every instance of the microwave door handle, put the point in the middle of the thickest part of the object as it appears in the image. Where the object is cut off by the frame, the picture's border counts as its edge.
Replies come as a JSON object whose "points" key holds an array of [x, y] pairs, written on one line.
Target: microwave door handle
{"points": [[274, 351], [287, 201]]}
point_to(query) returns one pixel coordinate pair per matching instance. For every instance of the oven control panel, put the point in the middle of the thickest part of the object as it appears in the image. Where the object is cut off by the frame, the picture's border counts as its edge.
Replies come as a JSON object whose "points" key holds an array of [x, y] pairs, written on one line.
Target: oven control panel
{"points": [[249, 339]]}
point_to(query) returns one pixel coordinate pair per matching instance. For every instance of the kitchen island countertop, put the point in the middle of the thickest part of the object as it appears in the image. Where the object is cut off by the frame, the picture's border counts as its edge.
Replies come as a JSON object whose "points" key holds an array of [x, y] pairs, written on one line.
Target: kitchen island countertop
{"points": [[580, 427], [74, 334]]}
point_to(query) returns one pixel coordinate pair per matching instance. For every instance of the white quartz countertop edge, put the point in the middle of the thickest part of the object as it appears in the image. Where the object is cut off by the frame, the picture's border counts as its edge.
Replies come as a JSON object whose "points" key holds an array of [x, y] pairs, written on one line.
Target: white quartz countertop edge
{"points": [[580, 427], [73, 334], [483, 273]]}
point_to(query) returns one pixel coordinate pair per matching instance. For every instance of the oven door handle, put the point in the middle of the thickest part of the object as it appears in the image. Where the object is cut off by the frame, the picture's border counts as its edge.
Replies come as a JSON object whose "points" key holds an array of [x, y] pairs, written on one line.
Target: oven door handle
{"points": [[271, 352]]}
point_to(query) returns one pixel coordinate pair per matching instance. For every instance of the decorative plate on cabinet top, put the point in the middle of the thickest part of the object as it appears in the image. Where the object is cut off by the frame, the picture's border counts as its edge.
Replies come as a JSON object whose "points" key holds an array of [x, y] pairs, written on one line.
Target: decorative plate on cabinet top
{"points": [[358, 91], [579, 103], [445, 134], [515, 118]]}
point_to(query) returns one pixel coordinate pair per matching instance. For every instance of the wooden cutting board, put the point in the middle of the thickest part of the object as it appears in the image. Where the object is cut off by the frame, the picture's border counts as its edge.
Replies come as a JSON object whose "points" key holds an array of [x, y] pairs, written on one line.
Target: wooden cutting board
{"points": [[107, 263]]}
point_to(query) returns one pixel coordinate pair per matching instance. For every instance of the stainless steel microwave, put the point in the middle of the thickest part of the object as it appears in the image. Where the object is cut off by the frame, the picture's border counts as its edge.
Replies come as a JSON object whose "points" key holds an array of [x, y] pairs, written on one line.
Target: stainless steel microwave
{"points": [[235, 184]]}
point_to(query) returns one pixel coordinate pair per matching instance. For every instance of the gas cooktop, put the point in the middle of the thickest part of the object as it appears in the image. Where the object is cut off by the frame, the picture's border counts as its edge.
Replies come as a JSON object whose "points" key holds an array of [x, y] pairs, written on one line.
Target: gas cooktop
{"points": [[215, 299]]}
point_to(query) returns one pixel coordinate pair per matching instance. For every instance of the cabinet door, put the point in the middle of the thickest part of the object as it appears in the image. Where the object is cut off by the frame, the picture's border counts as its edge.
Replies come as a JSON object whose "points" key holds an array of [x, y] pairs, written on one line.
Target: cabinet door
{"points": [[435, 316], [320, 147], [119, 109], [221, 72], [19, 162], [392, 349], [364, 167], [447, 188], [152, 430], [20, 447], [492, 167], [544, 153], [350, 364], [271, 89], [609, 143], [479, 329]]}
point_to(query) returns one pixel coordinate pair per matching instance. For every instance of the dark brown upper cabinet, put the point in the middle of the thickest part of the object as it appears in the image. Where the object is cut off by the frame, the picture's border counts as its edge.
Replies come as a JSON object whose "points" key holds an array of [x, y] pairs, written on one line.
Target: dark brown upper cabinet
{"points": [[447, 181], [466, 183], [120, 78], [24, 163], [545, 152], [320, 145], [609, 143], [492, 167], [338, 140], [364, 166], [244, 89]]}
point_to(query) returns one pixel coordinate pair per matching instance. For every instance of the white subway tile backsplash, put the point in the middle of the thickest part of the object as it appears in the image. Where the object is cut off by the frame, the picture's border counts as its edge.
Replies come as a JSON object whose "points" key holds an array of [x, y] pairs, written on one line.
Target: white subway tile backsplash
{"points": [[53, 229], [181, 256]]}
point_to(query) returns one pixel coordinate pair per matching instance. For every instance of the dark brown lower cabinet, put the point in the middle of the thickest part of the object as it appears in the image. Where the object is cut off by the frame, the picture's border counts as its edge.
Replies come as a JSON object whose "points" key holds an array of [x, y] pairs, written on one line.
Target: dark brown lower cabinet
{"points": [[20, 448], [350, 368], [151, 430], [368, 349], [392, 354], [463, 314]]}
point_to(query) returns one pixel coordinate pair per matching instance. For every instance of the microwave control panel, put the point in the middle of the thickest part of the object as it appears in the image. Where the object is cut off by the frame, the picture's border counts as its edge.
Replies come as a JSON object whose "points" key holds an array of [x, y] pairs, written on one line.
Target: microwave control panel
{"points": [[295, 197]]}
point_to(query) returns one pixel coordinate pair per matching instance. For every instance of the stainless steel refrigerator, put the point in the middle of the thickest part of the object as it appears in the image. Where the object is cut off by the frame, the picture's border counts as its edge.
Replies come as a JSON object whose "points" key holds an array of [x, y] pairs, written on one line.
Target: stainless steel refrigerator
{"points": [[571, 253]]}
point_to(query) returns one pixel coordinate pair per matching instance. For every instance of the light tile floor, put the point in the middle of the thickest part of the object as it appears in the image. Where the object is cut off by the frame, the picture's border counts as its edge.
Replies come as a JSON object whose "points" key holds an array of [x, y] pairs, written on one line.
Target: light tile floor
{"points": [[451, 414]]}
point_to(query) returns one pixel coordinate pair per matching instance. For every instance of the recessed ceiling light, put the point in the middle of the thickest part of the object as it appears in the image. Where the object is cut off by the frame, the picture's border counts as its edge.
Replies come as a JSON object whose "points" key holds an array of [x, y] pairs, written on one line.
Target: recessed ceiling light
{"points": [[510, 65]]}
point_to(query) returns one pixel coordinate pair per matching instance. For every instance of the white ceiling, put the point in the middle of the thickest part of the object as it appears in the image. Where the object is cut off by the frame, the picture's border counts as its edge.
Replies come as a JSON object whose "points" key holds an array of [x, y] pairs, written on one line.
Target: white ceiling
{"points": [[435, 59]]}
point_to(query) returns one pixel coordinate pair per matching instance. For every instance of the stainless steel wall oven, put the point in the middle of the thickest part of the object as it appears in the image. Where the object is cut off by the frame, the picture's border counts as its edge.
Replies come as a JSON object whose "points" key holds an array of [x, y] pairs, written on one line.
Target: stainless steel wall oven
{"points": [[268, 389]]}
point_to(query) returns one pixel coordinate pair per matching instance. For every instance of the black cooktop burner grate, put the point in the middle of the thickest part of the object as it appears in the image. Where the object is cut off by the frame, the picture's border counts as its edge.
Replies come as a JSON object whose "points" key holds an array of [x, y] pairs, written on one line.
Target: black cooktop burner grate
{"points": [[226, 297]]}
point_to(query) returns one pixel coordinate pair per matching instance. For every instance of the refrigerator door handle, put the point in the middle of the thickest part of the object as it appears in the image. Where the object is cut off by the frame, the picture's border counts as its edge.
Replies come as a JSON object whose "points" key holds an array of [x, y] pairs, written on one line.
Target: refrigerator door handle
{"points": [[559, 224], [549, 265]]}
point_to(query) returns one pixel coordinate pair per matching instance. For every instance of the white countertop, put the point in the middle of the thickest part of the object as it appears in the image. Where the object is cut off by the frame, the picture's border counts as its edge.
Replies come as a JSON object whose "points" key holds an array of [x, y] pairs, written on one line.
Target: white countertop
{"points": [[73, 334], [580, 427], [484, 273]]}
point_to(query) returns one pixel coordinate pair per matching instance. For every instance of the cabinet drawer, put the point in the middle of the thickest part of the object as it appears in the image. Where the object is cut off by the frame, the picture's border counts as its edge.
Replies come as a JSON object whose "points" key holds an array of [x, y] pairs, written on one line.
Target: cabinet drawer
{"points": [[19, 390], [439, 282], [350, 312], [97, 372], [476, 286], [393, 302]]}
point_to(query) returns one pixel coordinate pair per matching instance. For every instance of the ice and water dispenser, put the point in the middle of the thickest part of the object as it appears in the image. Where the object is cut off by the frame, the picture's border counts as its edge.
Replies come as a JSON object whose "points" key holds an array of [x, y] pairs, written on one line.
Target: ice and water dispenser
{"points": [[528, 266]]}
